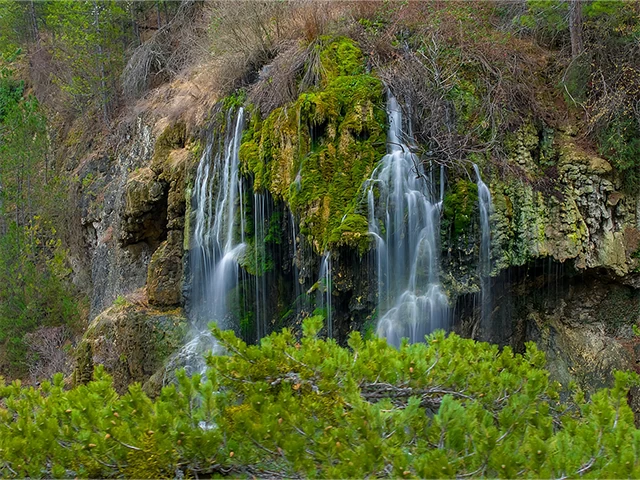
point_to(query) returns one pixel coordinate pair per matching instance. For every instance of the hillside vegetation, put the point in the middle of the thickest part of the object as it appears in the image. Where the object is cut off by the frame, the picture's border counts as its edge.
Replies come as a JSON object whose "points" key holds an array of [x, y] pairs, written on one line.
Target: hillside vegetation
{"points": [[488, 83]]}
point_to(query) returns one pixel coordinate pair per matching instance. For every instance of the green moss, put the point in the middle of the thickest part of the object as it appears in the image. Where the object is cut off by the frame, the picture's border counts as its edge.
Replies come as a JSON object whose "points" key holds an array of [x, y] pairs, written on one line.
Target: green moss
{"points": [[173, 137], [315, 153], [235, 100], [121, 301], [274, 232], [467, 104], [352, 231], [256, 262], [459, 204], [340, 57]]}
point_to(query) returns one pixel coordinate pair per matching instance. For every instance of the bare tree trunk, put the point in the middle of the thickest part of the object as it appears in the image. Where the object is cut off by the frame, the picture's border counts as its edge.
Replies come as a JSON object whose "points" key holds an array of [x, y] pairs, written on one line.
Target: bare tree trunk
{"points": [[103, 83], [575, 27], [134, 23], [34, 22]]}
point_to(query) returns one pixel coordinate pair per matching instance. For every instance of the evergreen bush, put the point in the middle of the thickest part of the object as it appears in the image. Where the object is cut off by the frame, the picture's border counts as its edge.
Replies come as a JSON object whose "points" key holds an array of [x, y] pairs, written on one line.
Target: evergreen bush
{"points": [[307, 407]]}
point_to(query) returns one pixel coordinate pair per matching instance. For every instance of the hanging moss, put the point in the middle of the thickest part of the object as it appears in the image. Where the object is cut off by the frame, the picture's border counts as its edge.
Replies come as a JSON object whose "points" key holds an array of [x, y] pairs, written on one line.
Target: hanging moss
{"points": [[340, 58], [256, 262], [315, 153], [459, 204], [349, 232]]}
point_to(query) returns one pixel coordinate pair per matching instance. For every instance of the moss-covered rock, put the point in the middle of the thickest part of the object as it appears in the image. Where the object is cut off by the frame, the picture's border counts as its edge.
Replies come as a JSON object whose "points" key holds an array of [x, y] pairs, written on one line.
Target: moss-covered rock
{"points": [[315, 153], [164, 278], [144, 216], [574, 211], [131, 341], [174, 137]]}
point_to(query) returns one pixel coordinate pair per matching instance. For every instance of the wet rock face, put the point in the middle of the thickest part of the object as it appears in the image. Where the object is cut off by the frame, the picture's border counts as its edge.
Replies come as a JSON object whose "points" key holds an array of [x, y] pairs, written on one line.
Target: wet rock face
{"points": [[582, 321], [354, 293]]}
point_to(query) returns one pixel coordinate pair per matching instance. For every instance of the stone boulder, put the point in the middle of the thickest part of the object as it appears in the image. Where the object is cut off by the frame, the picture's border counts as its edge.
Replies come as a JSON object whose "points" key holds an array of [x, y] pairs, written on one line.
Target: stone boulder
{"points": [[132, 342]]}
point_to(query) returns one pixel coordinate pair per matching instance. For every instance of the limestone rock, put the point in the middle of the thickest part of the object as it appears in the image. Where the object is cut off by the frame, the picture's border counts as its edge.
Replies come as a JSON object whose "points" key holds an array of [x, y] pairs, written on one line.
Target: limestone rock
{"points": [[145, 208], [164, 279]]}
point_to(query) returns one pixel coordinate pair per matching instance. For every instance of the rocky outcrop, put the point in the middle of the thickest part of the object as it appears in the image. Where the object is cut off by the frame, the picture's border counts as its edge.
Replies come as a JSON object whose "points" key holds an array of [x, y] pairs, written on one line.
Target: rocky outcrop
{"points": [[133, 225], [131, 341], [144, 216], [116, 268], [576, 211], [164, 279], [133, 213], [564, 258]]}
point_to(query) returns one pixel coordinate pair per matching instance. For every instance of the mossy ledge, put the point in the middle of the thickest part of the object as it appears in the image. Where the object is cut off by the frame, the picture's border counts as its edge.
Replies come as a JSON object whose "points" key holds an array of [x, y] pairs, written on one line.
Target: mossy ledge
{"points": [[315, 153]]}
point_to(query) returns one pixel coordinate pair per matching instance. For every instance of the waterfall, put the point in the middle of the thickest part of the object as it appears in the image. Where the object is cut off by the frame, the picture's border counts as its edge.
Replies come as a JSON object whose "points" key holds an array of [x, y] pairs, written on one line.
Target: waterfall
{"points": [[217, 243], [325, 291], [404, 220], [484, 264], [297, 303], [260, 213]]}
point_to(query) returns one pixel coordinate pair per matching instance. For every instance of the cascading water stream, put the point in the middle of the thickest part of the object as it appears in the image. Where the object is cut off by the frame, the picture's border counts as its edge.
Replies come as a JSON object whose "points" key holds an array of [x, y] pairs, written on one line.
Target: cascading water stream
{"points": [[260, 251], [294, 263], [217, 243], [325, 291], [404, 219], [484, 264]]}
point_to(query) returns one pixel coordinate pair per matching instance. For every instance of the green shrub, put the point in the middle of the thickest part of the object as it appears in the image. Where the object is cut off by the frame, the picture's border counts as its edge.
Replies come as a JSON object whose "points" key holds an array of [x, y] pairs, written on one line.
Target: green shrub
{"points": [[307, 407]]}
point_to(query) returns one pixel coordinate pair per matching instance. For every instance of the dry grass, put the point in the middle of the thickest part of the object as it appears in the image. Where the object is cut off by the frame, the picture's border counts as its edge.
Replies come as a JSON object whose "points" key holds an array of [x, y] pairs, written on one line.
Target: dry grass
{"points": [[267, 48], [167, 52], [231, 42], [48, 345]]}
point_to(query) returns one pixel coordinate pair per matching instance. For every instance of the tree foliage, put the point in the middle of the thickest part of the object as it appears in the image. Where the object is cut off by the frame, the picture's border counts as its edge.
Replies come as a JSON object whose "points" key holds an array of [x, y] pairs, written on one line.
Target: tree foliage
{"points": [[33, 291], [450, 407], [604, 80]]}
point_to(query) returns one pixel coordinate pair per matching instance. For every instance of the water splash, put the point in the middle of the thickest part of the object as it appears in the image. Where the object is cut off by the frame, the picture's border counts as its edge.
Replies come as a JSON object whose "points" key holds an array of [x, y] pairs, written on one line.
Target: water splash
{"points": [[484, 264], [404, 220]]}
